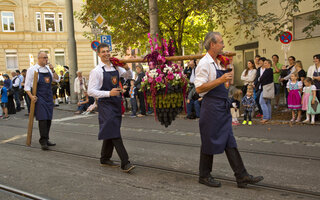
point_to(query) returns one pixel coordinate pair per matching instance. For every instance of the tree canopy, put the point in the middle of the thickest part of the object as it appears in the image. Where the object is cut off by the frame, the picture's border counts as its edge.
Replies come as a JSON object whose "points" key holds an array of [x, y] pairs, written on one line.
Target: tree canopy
{"points": [[187, 21]]}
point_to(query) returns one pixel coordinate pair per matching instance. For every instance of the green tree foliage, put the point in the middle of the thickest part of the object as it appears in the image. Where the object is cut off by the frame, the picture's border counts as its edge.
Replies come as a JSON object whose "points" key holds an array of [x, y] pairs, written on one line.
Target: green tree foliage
{"points": [[187, 21]]}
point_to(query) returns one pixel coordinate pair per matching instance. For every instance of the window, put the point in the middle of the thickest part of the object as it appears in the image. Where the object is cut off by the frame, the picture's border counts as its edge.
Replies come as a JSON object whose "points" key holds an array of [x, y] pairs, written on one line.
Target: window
{"points": [[7, 19], [49, 22], [11, 59], [300, 22], [38, 21], [59, 57], [60, 22]]}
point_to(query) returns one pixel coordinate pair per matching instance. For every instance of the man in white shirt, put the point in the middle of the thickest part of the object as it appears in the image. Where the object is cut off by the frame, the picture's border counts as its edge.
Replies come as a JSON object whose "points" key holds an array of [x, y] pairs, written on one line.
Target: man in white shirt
{"points": [[215, 118], [104, 85], [80, 85], [16, 92], [44, 98]]}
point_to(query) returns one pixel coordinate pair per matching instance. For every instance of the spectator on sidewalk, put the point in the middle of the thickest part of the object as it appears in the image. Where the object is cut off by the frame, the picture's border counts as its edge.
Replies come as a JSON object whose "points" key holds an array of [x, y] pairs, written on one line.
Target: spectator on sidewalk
{"points": [[314, 73], [266, 78], [137, 84], [301, 73], [276, 67], [235, 107], [66, 83], [4, 100], [25, 95], [258, 88], [8, 84], [21, 91], [84, 103], [16, 89], [62, 93], [285, 74], [133, 98], [248, 76], [248, 103], [80, 85]]}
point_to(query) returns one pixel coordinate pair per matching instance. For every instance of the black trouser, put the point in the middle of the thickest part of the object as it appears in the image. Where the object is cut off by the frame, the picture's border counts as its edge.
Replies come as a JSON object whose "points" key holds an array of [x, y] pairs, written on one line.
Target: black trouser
{"points": [[27, 98], [142, 104], [234, 159], [247, 114], [205, 166], [44, 128], [107, 149], [258, 93]]}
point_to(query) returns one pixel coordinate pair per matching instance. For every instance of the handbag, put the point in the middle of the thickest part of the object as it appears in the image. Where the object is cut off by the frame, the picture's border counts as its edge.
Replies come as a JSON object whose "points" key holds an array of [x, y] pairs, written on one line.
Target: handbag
{"points": [[268, 91]]}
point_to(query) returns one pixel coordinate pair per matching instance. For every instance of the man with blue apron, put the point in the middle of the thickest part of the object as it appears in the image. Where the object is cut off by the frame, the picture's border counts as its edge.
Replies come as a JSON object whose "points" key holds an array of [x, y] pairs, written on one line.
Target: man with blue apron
{"points": [[104, 85], [215, 118], [44, 98]]}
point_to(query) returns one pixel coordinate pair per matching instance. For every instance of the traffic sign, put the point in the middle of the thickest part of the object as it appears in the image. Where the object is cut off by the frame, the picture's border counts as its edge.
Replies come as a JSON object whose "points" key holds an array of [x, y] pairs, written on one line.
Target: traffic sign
{"points": [[100, 20], [94, 45], [107, 39], [286, 37]]}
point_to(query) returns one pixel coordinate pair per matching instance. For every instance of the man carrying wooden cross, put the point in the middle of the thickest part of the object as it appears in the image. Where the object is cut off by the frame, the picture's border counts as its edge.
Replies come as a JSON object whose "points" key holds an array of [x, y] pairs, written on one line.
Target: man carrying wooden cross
{"points": [[43, 98]]}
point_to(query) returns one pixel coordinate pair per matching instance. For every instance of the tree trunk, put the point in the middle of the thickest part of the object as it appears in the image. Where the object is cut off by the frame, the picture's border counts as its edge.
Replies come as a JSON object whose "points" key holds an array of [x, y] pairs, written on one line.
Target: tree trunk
{"points": [[153, 15]]}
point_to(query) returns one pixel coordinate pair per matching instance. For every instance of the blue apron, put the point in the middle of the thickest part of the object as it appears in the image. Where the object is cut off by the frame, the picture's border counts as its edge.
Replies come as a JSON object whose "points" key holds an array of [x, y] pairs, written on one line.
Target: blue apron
{"points": [[109, 108], [44, 104], [316, 82], [215, 120]]}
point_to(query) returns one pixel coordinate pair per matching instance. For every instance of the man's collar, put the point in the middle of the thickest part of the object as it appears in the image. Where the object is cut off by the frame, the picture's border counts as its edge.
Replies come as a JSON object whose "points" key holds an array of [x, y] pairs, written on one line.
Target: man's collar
{"points": [[101, 64]]}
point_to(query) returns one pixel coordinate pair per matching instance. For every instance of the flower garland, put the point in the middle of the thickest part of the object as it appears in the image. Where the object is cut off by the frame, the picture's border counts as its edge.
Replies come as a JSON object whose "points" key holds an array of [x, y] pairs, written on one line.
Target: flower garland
{"points": [[164, 84]]}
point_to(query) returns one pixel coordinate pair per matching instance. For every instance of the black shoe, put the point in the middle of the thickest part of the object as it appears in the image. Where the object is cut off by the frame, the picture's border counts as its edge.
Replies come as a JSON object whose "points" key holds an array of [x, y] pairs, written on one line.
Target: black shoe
{"points": [[128, 167], [51, 143], [209, 181], [44, 147], [249, 179], [109, 163]]}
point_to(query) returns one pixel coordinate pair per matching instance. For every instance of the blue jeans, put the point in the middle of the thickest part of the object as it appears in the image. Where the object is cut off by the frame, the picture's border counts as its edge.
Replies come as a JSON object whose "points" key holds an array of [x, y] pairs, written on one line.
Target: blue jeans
{"points": [[265, 106], [133, 102], [16, 95], [196, 105]]}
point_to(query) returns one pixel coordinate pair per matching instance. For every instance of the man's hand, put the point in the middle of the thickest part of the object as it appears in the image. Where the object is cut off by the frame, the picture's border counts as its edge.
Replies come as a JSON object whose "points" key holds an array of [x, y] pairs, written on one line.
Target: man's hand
{"points": [[313, 101], [226, 77], [115, 92], [188, 100], [34, 98]]}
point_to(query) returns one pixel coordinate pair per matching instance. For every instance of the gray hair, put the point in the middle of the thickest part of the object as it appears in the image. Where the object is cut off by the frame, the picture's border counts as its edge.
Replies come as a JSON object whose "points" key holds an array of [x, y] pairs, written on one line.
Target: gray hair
{"points": [[79, 71], [210, 37], [40, 53]]}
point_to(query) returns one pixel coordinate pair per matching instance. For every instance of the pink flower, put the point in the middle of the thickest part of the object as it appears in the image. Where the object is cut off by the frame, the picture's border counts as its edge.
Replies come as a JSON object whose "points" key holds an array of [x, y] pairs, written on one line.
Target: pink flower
{"points": [[151, 64], [150, 80], [158, 71], [159, 79], [170, 76], [161, 59], [156, 46]]}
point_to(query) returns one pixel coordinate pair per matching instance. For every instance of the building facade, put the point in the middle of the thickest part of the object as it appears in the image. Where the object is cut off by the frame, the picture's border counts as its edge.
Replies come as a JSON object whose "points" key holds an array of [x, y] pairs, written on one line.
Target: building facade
{"points": [[28, 26], [301, 47]]}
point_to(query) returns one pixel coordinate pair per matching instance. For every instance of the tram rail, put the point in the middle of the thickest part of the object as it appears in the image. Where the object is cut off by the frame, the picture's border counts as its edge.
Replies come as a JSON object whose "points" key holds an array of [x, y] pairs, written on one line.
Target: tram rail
{"points": [[265, 186], [20, 193]]}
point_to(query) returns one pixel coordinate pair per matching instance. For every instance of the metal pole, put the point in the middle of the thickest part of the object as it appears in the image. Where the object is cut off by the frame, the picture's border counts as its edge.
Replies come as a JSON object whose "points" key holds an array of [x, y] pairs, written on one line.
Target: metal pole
{"points": [[72, 49], [97, 59]]}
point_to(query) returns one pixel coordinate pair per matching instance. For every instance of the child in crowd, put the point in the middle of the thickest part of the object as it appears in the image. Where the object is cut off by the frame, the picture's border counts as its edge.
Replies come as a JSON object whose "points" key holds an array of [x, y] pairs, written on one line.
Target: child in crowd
{"points": [[84, 103], [294, 88], [4, 100], [133, 99], [310, 103], [248, 102], [235, 106]]}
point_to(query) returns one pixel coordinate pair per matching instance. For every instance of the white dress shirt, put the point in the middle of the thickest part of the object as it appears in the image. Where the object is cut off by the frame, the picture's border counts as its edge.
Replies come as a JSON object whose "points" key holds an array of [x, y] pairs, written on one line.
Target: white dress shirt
{"points": [[193, 75], [96, 79], [30, 73], [206, 71], [15, 81]]}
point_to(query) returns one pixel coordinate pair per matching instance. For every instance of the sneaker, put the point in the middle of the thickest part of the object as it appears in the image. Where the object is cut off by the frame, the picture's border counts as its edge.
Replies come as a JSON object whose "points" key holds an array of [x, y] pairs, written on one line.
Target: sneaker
{"points": [[259, 115], [109, 163], [250, 123], [6, 117], [312, 122], [298, 120], [141, 115], [77, 112], [127, 168], [244, 122], [235, 123], [292, 120], [132, 116], [276, 107]]}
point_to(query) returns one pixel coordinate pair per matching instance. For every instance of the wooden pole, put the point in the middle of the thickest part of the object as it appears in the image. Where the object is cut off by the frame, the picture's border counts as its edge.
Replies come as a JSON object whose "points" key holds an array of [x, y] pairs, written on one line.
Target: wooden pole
{"points": [[32, 107], [172, 58]]}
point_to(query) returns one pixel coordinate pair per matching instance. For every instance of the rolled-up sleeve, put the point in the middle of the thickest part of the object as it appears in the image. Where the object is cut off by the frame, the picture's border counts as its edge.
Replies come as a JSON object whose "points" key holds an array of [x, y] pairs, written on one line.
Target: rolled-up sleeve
{"points": [[95, 82], [202, 73], [29, 79]]}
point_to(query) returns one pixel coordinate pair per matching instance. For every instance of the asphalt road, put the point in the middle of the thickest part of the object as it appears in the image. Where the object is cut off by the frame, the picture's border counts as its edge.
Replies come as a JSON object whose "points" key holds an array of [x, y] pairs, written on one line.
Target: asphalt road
{"points": [[166, 161]]}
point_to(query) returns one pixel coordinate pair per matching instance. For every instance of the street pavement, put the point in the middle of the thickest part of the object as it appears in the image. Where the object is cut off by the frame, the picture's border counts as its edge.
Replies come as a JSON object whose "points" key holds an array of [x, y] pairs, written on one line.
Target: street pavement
{"points": [[166, 160]]}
